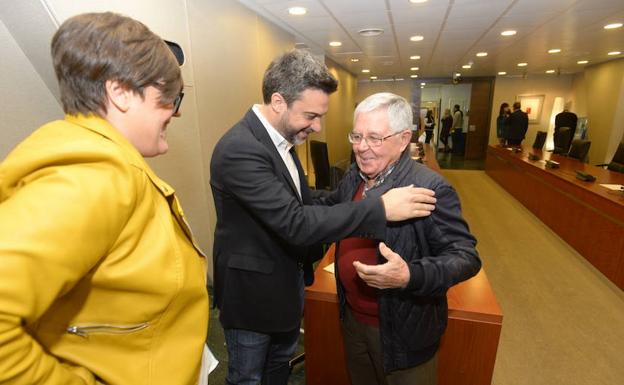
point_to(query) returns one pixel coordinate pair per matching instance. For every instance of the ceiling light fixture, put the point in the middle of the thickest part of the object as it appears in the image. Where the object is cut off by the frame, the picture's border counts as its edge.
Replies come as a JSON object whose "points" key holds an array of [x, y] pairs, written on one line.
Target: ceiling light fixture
{"points": [[457, 74], [369, 32], [365, 70], [613, 26], [550, 71], [509, 32], [482, 54], [582, 62], [373, 77], [355, 60], [413, 76], [335, 43], [415, 57], [523, 64], [416, 38], [467, 66], [613, 53], [417, 1], [297, 11], [414, 69], [423, 83], [554, 50], [502, 73]]}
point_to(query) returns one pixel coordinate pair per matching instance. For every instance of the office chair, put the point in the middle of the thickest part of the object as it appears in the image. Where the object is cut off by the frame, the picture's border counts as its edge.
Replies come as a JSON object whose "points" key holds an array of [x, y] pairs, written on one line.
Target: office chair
{"points": [[579, 149], [540, 139], [562, 140], [320, 162], [617, 162]]}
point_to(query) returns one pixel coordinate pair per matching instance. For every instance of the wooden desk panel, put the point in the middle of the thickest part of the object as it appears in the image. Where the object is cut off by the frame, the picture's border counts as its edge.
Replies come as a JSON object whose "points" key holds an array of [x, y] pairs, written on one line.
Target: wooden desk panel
{"points": [[587, 216], [468, 348]]}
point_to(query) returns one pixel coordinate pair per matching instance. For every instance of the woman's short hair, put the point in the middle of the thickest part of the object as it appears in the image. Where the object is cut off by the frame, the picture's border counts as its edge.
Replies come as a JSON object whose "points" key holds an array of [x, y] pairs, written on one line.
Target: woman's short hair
{"points": [[398, 109], [294, 72], [92, 48]]}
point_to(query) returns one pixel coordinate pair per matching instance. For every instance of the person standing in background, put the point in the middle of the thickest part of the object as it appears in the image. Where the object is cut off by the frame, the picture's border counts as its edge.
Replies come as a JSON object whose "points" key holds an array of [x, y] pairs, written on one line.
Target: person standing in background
{"points": [[100, 279], [267, 229], [458, 119], [447, 123], [566, 119], [429, 126], [501, 128], [517, 124]]}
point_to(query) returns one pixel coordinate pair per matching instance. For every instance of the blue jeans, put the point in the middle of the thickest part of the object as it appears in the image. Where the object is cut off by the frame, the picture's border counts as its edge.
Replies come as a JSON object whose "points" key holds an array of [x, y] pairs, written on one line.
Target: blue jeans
{"points": [[258, 358]]}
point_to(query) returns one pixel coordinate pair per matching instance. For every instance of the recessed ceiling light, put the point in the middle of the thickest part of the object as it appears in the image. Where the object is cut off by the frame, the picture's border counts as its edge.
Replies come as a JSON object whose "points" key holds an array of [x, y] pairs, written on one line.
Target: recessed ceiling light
{"points": [[467, 66], [373, 77], [416, 38], [423, 83], [613, 53], [365, 71], [523, 64], [457, 74], [415, 57], [502, 73], [417, 1], [554, 50], [335, 43], [613, 26], [368, 32], [550, 71], [414, 69], [413, 76], [509, 32], [482, 54], [582, 62], [355, 60], [297, 11]]}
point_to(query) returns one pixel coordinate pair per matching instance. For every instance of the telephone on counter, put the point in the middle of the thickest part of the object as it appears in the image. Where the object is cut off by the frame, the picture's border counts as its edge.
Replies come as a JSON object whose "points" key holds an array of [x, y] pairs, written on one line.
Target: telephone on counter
{"points": [[534, 157], [585, 176], [552, 164]]}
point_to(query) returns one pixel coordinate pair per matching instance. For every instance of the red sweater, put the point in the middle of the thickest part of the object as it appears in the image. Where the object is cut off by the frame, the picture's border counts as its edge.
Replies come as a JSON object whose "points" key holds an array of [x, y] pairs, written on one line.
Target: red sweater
{"points": [[362, 299]]}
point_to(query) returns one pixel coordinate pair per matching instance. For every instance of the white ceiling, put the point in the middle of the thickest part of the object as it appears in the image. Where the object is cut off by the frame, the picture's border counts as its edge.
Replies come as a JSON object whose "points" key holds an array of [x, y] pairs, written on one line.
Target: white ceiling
{"points": [[454, 31]]}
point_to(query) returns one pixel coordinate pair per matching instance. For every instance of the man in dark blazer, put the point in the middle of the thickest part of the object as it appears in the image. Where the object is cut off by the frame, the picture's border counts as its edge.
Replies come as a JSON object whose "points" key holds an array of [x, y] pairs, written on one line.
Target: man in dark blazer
{"points": [[566, 119], [267, 228], [517, 125]]}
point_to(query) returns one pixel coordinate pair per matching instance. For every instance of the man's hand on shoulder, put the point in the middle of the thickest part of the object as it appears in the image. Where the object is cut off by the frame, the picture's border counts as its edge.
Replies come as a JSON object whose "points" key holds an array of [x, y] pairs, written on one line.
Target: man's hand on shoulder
{"points": [[407, 202]]}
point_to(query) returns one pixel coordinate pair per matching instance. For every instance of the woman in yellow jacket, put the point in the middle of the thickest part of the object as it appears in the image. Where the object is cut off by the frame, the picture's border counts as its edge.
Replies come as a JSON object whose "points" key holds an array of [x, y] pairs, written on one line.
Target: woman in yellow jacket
{"points": [[100, 281]]}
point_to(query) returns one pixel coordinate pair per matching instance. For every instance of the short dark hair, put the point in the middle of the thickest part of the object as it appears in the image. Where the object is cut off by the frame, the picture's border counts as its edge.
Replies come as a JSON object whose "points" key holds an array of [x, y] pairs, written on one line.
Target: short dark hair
{"points": [[90, 49], [294, 72], [516, 105], [456, 106]]}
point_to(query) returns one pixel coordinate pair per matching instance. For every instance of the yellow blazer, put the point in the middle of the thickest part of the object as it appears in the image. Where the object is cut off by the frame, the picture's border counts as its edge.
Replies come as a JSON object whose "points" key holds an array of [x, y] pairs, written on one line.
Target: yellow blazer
{"points": [[100, 280]]}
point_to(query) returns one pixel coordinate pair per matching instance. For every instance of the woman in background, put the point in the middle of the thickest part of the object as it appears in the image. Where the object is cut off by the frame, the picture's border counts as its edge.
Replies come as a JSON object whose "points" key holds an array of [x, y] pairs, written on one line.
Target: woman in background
{"points": [[503, 113], [447, 123], [429, 126]]}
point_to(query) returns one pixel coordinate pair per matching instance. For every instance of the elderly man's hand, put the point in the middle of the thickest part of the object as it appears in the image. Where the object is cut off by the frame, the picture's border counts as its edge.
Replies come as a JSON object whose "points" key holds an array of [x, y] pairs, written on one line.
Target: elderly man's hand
{"points": [[407, 202], [392, 274]]}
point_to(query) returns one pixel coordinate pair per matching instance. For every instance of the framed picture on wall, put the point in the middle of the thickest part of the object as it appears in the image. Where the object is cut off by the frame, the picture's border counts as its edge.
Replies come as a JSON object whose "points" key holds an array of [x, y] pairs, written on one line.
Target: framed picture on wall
{"points": [[532, 105]]}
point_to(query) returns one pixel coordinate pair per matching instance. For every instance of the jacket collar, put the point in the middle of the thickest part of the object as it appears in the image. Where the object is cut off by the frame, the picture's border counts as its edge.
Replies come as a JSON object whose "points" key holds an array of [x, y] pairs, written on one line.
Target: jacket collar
{"points": [[103, 127], [401, 167]]}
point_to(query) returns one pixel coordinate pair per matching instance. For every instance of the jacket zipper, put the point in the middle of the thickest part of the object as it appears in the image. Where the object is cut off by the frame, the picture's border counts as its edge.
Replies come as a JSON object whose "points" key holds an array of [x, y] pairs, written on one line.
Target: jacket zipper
{"points": [[86, 330]]}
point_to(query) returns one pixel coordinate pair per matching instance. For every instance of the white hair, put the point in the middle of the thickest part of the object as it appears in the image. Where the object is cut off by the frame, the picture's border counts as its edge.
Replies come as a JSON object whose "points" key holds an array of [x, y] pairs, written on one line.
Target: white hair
{"points": [[398, 109]]}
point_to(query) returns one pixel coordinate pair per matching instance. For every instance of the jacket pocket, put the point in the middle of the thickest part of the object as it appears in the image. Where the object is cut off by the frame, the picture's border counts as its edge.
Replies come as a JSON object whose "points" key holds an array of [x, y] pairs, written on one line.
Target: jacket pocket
{"points": [[85, 330], [248, 263]]}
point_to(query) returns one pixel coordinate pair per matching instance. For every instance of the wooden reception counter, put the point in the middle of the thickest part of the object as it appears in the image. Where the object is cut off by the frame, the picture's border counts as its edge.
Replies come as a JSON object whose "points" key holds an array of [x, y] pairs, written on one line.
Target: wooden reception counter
{"points": [[586, 215], [468, 350]]}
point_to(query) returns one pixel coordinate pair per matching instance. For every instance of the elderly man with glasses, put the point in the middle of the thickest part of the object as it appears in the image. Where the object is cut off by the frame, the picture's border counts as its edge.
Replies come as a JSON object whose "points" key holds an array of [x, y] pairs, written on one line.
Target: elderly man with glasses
{"points": [[392, 291]]}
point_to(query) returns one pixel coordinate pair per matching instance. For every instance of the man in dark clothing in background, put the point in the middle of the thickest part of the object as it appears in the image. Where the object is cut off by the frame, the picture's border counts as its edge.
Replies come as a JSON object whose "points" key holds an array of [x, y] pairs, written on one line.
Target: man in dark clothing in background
{"points": [[517, 125], [566, 119]]}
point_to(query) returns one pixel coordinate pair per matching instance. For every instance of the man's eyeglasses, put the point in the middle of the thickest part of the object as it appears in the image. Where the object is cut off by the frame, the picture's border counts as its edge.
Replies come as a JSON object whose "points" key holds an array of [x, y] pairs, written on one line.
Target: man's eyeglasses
{"points": [[177, 102], [372, 141]]}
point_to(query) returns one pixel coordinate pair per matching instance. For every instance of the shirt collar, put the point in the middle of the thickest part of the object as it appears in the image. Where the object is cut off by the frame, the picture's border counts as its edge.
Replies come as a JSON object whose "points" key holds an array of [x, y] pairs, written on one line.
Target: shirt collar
{"points": [[278, 140], [378, 180]]}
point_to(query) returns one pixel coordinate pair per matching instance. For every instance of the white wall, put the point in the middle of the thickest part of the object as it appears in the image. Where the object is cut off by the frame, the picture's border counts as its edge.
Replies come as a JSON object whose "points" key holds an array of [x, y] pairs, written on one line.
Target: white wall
{"points": [[25, 101]]}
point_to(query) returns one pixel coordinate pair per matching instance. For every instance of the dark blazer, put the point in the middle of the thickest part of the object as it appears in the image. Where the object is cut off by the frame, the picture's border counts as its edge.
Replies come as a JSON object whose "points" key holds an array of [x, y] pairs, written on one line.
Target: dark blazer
{"points": [[517, 124], [265, 234]]}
